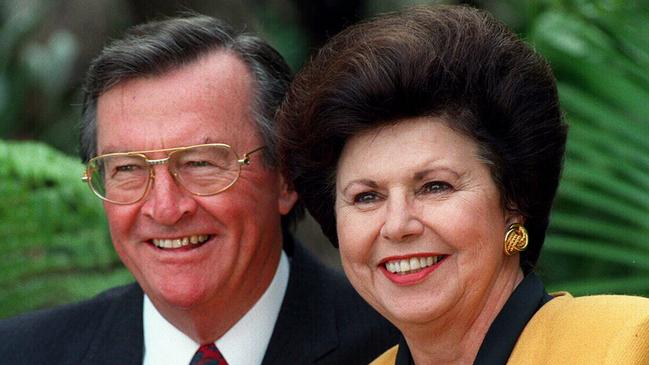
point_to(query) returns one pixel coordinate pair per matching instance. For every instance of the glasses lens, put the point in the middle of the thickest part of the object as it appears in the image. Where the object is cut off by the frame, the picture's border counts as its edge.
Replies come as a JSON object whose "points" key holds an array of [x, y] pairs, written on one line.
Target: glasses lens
{"points": [[119, 178], [205, 170]]}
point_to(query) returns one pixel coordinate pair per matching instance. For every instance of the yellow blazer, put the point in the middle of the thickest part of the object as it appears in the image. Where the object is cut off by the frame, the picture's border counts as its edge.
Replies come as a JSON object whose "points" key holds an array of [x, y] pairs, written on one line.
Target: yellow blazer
{"points": [[600, 329]]}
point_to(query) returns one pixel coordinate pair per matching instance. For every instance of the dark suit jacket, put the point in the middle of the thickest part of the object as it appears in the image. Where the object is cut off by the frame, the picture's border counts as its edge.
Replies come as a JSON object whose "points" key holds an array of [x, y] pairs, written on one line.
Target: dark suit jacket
{"points": [[322, 321]]}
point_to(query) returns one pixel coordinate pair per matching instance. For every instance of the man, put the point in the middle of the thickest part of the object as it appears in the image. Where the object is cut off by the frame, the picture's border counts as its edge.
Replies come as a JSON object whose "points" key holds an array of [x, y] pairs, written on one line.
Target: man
{"points": [[179, 141]]}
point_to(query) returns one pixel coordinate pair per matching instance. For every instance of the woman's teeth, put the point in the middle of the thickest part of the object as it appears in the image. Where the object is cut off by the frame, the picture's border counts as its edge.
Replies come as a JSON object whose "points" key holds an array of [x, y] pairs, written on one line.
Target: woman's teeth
{"points": [[180, 242], [412, 265]]}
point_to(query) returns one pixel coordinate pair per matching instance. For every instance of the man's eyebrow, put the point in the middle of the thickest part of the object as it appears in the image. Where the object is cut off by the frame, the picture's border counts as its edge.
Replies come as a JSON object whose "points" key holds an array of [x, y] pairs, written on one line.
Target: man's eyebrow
{"points": [[114, 149], [109, 149], [208, 140]]}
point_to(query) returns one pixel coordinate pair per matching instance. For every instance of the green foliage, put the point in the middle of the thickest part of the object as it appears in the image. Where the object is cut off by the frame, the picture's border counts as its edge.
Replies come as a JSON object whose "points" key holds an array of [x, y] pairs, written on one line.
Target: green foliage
{"points": [[35, 76], [283, 33], [599, 234], [56, 247]]}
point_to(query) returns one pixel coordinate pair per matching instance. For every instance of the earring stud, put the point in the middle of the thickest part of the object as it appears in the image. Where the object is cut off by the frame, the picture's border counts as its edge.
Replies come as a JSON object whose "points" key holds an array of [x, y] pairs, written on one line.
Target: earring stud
{"points": [[516, 239]]}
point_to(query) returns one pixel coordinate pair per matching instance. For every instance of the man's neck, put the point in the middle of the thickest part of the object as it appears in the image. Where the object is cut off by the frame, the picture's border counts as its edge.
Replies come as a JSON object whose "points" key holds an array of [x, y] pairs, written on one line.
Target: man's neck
{"points": [[244, 342], [207, 321]]}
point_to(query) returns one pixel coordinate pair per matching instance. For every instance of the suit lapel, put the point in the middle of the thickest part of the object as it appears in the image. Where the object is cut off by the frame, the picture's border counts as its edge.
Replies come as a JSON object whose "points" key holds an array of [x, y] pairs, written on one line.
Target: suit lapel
{"points": [[305, 318], [120, 336], [305, 330]]}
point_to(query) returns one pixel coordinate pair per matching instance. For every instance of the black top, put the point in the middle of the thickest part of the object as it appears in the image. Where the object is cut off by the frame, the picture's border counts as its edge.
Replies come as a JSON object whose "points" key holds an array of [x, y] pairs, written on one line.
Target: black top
{"points": [[528, 297]]}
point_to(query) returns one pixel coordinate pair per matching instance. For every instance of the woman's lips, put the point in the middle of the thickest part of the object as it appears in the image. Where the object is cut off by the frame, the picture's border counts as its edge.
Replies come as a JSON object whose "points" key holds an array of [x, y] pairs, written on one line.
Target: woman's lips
{"points": [[410, 270]]}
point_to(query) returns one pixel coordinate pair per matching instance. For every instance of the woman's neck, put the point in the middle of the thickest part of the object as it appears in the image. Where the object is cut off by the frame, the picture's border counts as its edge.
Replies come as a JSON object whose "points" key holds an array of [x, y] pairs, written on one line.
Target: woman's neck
{"points": [[455, 337]]}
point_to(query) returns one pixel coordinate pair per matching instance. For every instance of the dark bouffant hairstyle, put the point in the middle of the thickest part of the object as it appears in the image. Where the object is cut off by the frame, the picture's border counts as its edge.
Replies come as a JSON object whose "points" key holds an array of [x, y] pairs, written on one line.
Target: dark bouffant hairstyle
{"points": [[453, 62]]}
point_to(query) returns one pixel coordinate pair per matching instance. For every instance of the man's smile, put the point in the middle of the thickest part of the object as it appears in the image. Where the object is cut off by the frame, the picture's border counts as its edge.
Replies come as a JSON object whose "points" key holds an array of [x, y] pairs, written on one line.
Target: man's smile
{"points": [[180, 242]]}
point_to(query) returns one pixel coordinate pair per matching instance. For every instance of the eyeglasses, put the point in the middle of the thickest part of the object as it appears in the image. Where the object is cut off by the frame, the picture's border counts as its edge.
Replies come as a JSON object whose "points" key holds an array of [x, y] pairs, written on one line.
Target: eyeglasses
{"points": [[126, 177]]}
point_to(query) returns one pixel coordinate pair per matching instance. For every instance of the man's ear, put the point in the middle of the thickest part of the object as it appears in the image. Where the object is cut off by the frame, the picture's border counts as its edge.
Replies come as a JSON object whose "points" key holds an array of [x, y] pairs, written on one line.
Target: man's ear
{"points": [[287, 195]]}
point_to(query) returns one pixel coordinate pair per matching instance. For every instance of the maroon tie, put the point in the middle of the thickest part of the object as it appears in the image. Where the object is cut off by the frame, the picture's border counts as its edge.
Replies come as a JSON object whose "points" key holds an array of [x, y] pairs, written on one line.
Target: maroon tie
{"points": [[208, 355]]}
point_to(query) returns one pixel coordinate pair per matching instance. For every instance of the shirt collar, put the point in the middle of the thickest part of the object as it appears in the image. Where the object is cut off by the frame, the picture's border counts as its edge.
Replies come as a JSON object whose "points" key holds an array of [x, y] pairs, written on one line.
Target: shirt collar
{"points": [[528, 297], [244, 343]]}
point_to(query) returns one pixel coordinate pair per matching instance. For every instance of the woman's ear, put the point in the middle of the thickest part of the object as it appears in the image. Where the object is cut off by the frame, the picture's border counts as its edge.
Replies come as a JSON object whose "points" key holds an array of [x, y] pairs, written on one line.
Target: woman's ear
{"points": [[513, 215]]}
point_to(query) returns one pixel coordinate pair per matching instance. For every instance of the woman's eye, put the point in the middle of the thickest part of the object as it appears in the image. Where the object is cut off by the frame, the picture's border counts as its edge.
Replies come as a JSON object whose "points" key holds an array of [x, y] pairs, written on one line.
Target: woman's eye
{"points": [[364, 198], [435, 187]]}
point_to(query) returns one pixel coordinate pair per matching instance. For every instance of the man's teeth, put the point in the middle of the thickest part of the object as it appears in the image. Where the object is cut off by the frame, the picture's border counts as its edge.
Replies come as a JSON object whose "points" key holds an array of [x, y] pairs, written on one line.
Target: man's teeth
{"points": [[414, 264], [180, 242]]}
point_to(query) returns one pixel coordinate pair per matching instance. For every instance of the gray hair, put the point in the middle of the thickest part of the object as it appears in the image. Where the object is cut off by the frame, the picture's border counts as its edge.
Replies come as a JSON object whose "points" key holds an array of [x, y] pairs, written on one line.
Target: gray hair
{"points": [[161, 46]]}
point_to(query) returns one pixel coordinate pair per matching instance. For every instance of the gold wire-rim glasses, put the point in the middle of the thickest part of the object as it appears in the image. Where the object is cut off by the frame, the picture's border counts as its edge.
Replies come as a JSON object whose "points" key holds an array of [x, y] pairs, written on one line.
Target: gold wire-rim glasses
{"points": [[244, 160]]}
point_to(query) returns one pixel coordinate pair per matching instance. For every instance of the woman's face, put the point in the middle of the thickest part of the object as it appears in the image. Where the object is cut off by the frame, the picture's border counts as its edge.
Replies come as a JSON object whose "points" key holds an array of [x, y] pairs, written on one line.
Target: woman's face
{"points": [[421, 225]]}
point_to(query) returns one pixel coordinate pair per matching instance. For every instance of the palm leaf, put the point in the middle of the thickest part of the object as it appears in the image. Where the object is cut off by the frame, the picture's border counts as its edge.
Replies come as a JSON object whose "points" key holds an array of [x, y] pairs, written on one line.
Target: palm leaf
{"points": [[598, 240]]}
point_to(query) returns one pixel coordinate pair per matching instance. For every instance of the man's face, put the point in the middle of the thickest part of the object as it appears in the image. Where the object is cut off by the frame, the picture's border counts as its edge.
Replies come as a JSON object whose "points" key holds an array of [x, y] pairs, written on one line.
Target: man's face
{"points": [[207, 101]]}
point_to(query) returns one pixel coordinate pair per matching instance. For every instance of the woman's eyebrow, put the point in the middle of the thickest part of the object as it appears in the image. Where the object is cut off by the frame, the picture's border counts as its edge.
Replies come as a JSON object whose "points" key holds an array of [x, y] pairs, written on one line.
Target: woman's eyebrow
{"points": [[366, 182], [420, 175]]}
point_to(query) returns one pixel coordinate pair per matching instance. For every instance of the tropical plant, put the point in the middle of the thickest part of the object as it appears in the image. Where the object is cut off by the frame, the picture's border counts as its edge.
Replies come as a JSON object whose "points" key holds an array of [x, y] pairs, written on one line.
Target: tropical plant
{"points": [[35, 76], [599, 234]]}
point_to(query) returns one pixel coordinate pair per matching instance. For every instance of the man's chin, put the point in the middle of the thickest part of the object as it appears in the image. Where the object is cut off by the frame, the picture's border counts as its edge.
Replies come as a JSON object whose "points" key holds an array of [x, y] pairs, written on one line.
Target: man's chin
{"points": [[180, 296]]}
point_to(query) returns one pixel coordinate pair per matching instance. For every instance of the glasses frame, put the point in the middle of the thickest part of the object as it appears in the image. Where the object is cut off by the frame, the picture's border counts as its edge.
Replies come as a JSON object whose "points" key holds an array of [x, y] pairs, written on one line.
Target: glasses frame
{"points": [[244, 160]]}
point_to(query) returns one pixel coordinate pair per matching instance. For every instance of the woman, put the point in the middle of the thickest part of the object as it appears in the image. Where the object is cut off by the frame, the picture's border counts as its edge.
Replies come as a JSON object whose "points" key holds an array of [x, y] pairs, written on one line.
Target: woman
{"points": [[428, 144]]}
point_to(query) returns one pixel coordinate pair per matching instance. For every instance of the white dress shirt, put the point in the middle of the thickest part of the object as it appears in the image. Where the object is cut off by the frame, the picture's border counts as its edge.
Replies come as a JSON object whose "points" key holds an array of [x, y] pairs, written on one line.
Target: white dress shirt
{"points": [[243, 344]]}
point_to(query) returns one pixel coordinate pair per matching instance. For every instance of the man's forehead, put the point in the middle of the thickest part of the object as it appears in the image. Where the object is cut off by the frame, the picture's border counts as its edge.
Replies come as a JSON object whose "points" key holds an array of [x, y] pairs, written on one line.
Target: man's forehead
{"points": [[209, 99], [219, 70]]}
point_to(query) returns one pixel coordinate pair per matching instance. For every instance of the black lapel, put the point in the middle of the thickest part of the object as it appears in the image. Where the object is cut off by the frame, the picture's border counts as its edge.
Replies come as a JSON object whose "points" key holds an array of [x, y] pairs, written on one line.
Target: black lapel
{"points": [[120, 336], [306, 326]]}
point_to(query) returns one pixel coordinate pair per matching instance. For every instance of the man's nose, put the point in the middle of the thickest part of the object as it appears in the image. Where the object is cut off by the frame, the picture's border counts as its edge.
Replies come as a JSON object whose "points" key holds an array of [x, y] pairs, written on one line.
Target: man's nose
{"points": [[167, 202], [402, 220]]}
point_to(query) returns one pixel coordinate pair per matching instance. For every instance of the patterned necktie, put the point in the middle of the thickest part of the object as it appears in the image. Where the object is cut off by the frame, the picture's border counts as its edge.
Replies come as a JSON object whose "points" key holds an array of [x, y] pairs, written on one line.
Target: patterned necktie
{"points": [[208, 355]]}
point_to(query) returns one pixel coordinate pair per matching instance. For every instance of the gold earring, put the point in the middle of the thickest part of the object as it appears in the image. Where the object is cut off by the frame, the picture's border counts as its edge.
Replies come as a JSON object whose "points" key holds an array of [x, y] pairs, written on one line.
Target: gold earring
{"points": [[516, 239]]}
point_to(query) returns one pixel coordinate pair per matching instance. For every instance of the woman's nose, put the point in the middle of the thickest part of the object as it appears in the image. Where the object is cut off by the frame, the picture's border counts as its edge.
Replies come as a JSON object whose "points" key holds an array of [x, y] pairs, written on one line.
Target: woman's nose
{"points": [[402, 220]]}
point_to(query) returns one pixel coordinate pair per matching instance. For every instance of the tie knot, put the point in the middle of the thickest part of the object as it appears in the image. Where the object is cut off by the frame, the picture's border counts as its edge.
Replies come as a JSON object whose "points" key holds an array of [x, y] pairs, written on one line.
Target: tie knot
{"points": [[208, 355]]}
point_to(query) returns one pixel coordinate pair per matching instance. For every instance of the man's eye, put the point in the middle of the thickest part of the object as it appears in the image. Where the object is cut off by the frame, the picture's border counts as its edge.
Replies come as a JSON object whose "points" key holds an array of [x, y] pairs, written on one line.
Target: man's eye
{"points": [[365, 198], [127, 168], [199, 164], [435, 187], [205, 164]]}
